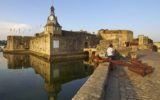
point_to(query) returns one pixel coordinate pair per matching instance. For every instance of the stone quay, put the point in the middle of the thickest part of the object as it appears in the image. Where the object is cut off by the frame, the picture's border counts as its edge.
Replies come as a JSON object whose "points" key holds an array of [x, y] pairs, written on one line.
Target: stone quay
{"points": [[122, 84]]}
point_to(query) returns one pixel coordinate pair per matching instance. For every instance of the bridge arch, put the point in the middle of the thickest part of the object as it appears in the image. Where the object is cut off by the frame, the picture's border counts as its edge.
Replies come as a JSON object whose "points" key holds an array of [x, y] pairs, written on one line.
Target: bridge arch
{"points": [[89, 51]]}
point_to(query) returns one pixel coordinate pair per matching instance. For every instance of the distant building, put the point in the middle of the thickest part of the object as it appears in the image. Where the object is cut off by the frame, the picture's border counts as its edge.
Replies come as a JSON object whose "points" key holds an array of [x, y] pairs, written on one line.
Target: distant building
{"points": [[53, 40], [145, 42], [123, 40], [118, 37], [157, 46]]}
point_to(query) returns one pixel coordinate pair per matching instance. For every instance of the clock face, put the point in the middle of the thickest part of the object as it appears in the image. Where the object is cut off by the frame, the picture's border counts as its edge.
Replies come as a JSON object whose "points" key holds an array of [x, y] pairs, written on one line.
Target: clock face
{"points": [[50, 17]]}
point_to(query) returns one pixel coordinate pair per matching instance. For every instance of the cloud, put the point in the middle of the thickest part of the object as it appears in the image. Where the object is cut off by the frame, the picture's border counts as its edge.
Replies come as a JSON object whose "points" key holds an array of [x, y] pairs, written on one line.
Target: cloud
{"points": [[12, 28]]}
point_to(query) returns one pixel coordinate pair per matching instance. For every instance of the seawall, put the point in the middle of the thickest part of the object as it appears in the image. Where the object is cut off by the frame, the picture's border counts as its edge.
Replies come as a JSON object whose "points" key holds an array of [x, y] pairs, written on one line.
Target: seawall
{"points": [[58, 57]]}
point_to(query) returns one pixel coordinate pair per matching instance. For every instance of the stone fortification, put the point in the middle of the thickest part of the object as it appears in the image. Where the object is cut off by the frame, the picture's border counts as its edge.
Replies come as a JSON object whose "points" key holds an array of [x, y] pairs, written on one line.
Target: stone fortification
{"points": [[71, 42], [120, 36], [157, 44], [145, 42], [18, 43], [41, 44], [53, 40], [93, 89]]}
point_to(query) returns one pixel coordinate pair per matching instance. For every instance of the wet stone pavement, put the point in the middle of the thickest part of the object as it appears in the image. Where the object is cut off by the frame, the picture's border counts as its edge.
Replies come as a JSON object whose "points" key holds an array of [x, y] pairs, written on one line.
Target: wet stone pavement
{"points": [[126, 85]]}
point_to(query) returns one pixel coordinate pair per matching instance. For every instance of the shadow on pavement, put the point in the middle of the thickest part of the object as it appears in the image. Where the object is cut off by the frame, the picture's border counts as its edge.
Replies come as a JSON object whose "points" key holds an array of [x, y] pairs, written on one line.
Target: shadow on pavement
{"points": [[119, 86]]}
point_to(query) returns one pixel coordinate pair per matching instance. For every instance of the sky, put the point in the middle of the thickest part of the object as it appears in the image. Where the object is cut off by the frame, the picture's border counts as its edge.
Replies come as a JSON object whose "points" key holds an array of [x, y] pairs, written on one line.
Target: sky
{"points": [[26, 17]]}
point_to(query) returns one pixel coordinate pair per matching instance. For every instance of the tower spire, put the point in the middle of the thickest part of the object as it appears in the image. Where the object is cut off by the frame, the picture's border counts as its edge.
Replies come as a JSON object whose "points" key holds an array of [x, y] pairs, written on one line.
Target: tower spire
{"points": [[52, 25], [52, 8]]}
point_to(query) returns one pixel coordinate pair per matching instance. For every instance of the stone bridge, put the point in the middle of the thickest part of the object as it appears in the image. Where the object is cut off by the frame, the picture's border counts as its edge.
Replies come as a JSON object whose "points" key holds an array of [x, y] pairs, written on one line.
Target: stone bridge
{"points": [[90, 51]]}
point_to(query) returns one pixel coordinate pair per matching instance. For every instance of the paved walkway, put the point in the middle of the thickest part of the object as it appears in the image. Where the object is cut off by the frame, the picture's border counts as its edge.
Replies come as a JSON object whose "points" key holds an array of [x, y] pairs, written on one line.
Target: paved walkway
{"points": [[126, 85]]}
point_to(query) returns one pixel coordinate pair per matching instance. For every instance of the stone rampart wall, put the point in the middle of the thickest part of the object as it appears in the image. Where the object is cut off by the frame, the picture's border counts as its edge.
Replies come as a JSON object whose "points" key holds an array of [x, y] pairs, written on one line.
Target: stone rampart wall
{"points": [[93, 89], [17, 43], [73, 42], [41, 44], [122, 36]]}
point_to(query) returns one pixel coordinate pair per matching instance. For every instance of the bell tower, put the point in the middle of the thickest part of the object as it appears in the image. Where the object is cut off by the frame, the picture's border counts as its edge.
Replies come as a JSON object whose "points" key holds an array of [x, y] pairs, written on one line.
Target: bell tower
{"points": [[52, 25]]}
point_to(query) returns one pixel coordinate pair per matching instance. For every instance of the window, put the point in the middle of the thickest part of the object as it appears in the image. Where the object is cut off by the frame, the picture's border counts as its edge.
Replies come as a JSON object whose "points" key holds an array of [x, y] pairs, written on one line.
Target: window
{"points": [[55, 44]]}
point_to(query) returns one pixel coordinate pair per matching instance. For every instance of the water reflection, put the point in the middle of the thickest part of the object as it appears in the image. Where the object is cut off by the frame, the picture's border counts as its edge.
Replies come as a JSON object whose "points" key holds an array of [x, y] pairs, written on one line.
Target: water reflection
{"points": [[17, 61], [57, 76]]}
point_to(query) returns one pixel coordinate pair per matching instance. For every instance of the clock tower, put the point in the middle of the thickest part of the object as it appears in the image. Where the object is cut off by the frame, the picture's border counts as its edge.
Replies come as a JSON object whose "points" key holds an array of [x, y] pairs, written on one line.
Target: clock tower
{"points": [[52, 25]]}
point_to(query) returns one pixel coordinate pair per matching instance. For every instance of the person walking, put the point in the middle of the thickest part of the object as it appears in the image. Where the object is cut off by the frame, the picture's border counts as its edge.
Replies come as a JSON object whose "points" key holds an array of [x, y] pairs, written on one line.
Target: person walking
{"points": [[110, 52], [110, 55]]}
